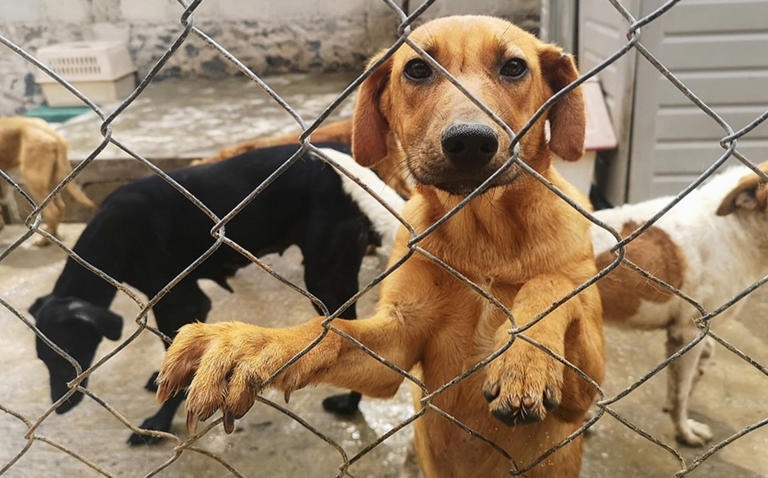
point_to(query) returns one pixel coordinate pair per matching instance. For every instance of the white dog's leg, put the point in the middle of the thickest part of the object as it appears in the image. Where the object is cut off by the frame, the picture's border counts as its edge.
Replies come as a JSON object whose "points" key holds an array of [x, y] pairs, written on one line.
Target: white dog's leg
{"points": [[683, 373], [707, 352]]}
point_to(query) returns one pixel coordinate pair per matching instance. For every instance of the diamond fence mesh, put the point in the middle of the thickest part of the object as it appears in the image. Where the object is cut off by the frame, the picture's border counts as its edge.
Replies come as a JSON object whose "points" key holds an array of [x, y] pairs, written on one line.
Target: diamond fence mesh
{"points": [[343, 446]]}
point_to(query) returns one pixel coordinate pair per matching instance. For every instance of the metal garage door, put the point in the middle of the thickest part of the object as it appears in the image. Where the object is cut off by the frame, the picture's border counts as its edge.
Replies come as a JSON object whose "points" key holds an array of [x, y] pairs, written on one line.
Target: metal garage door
{"points": [[719, 49]]}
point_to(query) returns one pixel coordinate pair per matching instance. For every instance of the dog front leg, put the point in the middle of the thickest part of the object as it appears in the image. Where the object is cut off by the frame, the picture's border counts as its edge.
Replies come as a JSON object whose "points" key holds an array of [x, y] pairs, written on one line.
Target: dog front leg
{"points": [[160, 421], [525, 383], [683, 373], [226, 365]]}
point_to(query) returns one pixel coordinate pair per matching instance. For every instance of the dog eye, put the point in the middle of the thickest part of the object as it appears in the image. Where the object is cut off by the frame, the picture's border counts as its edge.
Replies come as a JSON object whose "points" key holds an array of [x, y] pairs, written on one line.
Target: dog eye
{"points": [[417, 70], [514, 69]]}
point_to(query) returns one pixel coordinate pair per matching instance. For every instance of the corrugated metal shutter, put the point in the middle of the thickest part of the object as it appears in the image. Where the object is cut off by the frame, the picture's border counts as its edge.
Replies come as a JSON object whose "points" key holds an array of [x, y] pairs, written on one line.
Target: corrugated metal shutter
{"points": [[719, 49]]}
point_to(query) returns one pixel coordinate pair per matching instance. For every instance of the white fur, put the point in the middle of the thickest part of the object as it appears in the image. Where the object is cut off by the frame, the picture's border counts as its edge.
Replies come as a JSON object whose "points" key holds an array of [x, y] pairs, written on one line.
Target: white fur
{"points": [[383, 221], [724, 255]]}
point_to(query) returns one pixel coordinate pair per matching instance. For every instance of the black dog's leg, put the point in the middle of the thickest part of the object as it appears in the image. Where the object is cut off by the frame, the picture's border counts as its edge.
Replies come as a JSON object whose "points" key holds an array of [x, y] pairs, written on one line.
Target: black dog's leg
{"points": [[332, 260], [160, 421], [151, 384], [185, 303], [343, 403]]}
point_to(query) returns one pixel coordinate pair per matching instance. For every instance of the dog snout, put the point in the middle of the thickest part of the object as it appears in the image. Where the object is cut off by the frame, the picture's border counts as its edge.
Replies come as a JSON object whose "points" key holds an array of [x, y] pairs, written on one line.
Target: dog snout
{"points": [[469, 145]]}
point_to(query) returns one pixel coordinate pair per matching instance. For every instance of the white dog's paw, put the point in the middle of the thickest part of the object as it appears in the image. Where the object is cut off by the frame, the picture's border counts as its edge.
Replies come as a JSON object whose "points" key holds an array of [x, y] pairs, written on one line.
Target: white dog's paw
{"points": [[694, 433]]}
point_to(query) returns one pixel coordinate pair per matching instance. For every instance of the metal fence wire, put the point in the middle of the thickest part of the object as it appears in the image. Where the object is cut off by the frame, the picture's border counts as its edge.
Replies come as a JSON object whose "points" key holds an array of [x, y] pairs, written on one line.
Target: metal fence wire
{"points": [[38, 428]]}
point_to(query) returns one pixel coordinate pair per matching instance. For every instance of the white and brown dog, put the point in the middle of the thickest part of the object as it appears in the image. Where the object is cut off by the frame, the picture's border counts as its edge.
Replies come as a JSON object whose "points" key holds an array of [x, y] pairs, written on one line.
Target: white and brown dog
{"points": [[711, 247]]}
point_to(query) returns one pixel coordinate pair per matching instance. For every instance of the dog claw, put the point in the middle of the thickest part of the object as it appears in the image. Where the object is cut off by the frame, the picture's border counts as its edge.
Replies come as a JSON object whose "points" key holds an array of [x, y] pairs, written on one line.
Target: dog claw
{"points": [[550, 402], [504, 414], [192, 421], [490, 393], [229, 422], [522, 409], [512, 415]]}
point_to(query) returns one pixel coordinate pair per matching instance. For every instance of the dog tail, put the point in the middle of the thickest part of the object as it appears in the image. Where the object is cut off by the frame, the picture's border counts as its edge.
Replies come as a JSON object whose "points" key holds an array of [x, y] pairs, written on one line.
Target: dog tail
{"points": [[63, 168], [79, 195]]}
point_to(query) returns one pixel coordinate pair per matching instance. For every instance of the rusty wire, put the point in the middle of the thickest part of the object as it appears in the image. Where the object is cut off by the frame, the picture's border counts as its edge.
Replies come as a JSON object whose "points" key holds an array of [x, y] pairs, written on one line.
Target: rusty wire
{"points": [[604, 404]]}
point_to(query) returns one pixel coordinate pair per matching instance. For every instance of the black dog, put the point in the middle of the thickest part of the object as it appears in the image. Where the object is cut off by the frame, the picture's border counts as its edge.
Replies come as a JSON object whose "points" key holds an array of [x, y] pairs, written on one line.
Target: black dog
{"points": [[147, 232]]}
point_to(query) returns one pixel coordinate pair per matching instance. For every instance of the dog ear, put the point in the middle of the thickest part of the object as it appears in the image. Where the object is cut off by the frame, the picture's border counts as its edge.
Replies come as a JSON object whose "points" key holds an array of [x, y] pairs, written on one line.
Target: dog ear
{"points": [[369, 126], [750, 194], [106, 322], [567, 117]]}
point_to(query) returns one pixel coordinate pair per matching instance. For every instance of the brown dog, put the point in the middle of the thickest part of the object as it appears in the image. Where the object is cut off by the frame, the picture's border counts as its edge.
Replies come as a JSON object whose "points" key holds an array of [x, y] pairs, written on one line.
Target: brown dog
{"points": [[337, 131], [40, 153], [390, 169], [517, 241]]}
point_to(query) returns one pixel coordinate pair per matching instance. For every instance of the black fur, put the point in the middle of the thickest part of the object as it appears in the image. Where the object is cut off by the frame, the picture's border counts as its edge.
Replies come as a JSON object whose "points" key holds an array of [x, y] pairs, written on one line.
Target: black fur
{"points": [[146, 233]]}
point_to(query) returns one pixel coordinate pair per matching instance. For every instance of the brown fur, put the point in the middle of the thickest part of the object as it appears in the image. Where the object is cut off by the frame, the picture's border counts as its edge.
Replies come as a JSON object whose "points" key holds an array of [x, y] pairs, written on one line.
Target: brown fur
{"points": [[750, 194], [517, 241], [653, 251], [338, 131], [40, 153]]}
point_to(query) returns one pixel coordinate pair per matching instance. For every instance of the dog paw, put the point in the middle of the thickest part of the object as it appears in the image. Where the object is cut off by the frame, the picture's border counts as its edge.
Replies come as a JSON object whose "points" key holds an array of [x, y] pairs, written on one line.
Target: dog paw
{"points": [[344, 404], [137, 439], [41, 242], [694, 434], [223, 366], [523, 387]]}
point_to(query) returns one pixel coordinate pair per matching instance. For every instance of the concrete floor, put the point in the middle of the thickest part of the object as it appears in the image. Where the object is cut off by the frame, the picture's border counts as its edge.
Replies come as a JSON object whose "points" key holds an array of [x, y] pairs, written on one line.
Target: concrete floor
{"points": [[277, 446], [191, 118], [268, 443]]}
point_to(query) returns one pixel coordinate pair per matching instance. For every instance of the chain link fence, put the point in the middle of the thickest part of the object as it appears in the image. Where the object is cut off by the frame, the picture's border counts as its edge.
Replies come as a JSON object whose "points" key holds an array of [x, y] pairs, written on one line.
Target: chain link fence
{"points": [[210, 452]]}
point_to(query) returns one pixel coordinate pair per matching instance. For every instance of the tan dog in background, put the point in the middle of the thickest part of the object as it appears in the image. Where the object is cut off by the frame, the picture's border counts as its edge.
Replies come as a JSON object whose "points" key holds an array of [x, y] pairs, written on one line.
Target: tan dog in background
{"points": [[517, 241], [40, 153]]}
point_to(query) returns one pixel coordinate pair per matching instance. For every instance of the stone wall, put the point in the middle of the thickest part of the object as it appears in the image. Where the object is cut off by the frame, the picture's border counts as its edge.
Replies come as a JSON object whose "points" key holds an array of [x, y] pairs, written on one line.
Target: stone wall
{"points": [[268, 36]]}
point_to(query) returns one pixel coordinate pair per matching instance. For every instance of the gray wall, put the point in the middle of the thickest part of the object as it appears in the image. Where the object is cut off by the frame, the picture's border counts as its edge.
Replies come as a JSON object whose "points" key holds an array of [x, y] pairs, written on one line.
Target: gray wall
{"points": [[268, 36], [718, 50]]}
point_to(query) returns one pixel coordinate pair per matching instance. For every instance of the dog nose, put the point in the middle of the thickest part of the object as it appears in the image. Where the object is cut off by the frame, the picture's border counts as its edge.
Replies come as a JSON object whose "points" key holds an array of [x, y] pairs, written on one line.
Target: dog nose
{"points": [[469, 145]]}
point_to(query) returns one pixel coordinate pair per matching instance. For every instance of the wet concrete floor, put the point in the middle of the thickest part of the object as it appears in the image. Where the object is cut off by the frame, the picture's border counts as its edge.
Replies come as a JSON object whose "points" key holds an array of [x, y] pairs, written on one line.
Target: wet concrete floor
{"points": [[267, 443], [190, 118]]}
